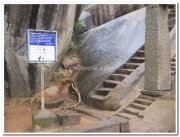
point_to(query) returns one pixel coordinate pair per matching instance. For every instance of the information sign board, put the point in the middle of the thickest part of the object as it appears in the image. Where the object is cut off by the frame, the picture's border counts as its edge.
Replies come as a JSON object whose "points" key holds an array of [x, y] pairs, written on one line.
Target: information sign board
{"points": [[42, 46]]}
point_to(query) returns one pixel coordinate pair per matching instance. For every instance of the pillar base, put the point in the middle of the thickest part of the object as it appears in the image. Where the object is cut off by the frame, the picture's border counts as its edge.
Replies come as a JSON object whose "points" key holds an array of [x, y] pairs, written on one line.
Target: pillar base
{"points": [[152, 93]]}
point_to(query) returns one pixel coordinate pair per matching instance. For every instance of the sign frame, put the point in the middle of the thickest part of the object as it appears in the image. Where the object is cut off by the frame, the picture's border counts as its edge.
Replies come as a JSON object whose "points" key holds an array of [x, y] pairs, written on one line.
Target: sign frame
{"points": [[28, 47]]}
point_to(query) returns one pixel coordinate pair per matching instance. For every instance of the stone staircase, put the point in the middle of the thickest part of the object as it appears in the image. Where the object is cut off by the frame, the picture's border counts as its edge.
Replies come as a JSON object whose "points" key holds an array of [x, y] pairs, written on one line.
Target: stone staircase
{"points": [[171, 16], [125, 73], [119, 75], [117, 78], [173, 66], [135, 108]]}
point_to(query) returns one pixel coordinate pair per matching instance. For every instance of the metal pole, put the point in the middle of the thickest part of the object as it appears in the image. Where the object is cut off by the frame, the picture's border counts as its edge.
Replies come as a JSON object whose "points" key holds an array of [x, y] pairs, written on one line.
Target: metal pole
{"points": [[42, 86]]}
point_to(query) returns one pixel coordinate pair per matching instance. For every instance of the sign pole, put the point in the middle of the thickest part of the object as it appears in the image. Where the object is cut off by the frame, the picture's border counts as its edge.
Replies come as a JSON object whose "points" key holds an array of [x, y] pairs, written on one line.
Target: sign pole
{"points": [[42, 86], [42, 48]]}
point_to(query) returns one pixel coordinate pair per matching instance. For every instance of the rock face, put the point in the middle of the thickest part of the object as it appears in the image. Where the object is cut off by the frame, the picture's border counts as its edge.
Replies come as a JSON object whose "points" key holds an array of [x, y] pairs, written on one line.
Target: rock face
{"points": [[106, 48], [52, 91], [70, 61], [24, 78], [102, 13], [86, 19]]}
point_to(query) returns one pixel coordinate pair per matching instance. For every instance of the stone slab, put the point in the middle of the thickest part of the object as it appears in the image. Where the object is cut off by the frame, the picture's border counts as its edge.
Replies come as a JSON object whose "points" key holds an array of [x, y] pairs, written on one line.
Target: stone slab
{"points": [[158, 118], [112, 124], [124, 127], [68, 118], [152, 93]]}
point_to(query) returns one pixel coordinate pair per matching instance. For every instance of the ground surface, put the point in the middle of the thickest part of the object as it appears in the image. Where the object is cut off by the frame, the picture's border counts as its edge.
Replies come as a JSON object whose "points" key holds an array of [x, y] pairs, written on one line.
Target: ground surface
{"points": [[158, 117], [17, 117], [18, 111]]}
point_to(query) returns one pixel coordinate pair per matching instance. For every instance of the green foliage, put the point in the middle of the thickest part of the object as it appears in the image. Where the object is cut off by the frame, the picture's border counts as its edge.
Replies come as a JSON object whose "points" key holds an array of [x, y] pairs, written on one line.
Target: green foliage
{"points": [[75, 44], [56, 75], [79, 27]]}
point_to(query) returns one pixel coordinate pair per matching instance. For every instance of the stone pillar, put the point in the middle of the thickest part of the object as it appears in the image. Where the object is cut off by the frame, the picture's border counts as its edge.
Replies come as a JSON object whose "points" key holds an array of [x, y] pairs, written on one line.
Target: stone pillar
{"points": [[157, 50]]}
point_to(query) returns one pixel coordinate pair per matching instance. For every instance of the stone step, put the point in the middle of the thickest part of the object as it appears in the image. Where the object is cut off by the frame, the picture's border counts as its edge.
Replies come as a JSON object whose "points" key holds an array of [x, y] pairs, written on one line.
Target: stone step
{"points": [[173, 63], [173, 59], [173, 68], [142, 48], [131, 65], [125, 115], [110, 83], [170, 6], [137, 60], [138, 106], [173, 73], [171, 22], [99, 97], [171, 15], [151, 98], [103, 91], [117, 77], [140, 53], [132, 111], [125, 71], [143, 101], [172, 11], [170, 28]]}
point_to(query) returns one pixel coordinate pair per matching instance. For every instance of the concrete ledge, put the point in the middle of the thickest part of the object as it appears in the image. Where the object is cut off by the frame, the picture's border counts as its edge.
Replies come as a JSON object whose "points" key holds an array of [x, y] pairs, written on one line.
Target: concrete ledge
{"points": [[152, 93], [114, 124], [68, 118]]}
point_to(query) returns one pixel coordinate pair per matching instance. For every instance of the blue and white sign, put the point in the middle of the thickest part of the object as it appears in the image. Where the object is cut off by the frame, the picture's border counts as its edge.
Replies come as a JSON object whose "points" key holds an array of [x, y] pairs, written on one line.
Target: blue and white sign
{"points": [[42, 46]]}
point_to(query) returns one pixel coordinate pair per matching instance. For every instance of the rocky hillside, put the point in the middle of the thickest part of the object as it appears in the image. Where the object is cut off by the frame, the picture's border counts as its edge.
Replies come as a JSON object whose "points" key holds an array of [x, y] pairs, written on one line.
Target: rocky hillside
{"points": [[24, 78]]}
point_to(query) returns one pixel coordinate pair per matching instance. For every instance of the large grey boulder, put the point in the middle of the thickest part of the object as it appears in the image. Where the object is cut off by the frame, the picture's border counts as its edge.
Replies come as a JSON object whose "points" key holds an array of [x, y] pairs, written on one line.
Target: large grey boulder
{"points": [[106, 48], [24, 78]]}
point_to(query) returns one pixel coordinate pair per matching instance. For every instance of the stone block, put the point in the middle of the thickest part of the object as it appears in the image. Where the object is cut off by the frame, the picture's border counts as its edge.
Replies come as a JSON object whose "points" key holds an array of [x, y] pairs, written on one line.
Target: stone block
{"points": [[68, 118], [124, 126], [44, 119]]}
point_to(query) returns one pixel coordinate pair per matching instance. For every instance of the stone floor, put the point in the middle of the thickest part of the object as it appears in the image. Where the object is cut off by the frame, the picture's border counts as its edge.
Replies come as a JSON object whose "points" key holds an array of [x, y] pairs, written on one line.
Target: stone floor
{"points": [[159, 117]]}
